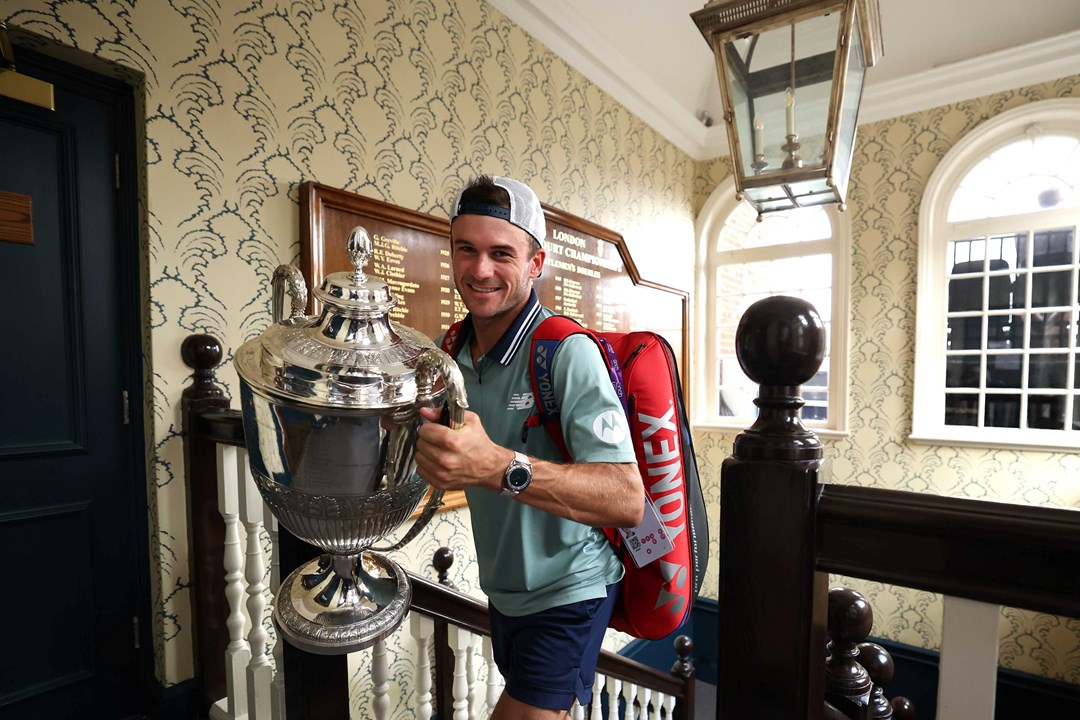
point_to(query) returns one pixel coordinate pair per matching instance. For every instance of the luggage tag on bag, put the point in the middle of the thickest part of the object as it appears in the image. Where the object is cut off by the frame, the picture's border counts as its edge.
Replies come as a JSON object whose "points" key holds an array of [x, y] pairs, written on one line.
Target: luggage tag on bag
{"points": [[649, 539]]}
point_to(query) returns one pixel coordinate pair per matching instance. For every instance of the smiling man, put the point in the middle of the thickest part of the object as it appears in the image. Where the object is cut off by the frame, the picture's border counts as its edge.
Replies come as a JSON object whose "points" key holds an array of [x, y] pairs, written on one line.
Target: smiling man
{"points": [[550, 575]]}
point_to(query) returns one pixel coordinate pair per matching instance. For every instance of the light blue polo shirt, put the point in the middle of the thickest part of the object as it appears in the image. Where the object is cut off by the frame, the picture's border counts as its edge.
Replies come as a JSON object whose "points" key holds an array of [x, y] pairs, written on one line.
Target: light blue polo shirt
{"points": [[531, 560]]}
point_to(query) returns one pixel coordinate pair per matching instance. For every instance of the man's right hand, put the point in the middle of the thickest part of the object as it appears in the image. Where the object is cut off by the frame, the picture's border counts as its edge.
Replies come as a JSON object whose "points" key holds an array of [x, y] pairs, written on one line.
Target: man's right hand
{"points": [[458, 459]]}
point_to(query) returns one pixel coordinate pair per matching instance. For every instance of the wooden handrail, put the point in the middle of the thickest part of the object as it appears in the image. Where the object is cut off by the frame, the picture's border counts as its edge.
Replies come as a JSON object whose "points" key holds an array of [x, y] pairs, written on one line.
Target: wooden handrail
{"points": [[443, 603], [222, 426], [995, 552]]}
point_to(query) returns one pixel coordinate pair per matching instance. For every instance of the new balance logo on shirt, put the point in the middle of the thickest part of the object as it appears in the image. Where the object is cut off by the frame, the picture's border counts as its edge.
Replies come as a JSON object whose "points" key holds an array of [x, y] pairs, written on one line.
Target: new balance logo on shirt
{"points": [[521, 401]]}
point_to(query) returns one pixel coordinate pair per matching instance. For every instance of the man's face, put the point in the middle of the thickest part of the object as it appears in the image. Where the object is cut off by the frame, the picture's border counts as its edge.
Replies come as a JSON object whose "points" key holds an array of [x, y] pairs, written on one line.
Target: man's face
{"points": [[494, 265]]}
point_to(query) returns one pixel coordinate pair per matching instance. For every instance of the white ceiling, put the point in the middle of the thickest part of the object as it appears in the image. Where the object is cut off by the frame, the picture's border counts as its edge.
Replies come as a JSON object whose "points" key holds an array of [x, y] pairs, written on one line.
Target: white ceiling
{"points": [[650, 56]]}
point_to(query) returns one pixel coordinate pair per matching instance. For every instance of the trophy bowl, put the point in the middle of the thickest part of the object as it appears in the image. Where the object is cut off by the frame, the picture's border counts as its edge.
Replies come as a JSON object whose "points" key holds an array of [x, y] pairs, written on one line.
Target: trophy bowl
{"points": [[330, 408]]}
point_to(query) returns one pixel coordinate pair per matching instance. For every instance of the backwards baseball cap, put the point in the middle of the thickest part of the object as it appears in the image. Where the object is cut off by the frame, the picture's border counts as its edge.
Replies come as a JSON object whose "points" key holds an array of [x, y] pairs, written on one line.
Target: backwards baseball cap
{"points": [[524, 210]]}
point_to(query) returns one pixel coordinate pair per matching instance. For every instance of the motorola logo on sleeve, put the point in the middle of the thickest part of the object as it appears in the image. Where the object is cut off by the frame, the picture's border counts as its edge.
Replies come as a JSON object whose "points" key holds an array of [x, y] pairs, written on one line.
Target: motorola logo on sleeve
{"points": [[610, 427]]}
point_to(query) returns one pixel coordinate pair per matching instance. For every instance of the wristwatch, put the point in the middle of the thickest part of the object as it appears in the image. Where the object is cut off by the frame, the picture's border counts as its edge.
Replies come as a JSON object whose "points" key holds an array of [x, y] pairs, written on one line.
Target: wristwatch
{"points": [[518, 475]]}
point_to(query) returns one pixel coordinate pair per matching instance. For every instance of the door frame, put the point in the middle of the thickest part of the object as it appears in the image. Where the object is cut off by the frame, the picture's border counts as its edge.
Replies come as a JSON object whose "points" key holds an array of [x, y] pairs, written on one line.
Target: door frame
{"points": [[122, 88]]}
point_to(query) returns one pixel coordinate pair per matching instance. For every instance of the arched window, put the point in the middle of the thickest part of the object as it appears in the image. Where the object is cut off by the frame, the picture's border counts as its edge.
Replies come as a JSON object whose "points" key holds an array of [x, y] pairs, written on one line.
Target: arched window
{"points": [[803, 253], [996, 321]]}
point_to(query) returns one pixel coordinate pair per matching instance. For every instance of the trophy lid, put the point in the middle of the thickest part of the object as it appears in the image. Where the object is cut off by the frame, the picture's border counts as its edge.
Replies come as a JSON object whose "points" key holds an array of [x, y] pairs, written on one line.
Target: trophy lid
{"points": [[349, 356]]}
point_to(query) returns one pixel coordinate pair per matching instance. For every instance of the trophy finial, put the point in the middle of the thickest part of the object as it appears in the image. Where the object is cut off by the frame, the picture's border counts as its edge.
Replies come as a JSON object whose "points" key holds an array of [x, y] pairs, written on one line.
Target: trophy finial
{"points": [[359, 249]]}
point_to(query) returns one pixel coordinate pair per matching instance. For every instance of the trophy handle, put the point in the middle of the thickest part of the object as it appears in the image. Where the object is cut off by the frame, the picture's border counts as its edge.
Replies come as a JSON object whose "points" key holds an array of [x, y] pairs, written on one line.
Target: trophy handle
{"points": [[434, 362], [287, 280]]}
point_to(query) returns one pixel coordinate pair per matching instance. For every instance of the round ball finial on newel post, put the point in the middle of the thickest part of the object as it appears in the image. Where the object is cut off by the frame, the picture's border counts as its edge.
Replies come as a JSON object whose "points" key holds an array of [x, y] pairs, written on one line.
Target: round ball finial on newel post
{"points": [[772, 597], [780, 344], [202, 353]]}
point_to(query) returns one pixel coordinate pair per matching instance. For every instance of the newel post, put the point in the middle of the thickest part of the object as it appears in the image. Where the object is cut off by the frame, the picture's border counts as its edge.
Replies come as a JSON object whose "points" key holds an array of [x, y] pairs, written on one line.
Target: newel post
{"points": [[772, 602], [206, 529]]}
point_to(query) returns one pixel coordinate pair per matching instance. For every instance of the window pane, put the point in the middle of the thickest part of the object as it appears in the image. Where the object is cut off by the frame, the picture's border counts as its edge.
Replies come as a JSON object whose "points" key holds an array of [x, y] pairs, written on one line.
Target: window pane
{"points": [[965, 294], [968, 255], [1050, 330], [964, 333], [1049, 289], [962, 371], [1046, 412], [1003, 371], [742, 229], [736, 391], [1052, 247], [1047, 371], [1005, 332], [1002, 411], [1026, 176], [1076, 412], [1009, 249], [961, 409]]}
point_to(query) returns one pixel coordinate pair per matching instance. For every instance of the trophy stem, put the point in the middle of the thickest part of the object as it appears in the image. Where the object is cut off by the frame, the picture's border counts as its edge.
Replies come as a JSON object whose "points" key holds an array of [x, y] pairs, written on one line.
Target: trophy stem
{"points": [[339, 604]]}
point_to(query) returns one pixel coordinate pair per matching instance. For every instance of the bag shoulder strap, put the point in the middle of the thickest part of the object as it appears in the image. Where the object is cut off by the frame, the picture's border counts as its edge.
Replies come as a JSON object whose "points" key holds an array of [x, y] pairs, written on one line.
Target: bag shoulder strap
{"points": [[546, 339], [450, 339]]}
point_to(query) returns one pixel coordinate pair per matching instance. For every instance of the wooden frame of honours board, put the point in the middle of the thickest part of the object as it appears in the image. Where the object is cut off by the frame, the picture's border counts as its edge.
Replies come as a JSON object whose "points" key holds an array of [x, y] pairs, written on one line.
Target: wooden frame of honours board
{"points": [[588, 274]]}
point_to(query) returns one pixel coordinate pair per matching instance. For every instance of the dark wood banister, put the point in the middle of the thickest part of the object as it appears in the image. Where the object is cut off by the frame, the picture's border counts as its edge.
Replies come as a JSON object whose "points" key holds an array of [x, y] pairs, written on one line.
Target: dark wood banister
{"points": [[1015, 555], [783, 530]]}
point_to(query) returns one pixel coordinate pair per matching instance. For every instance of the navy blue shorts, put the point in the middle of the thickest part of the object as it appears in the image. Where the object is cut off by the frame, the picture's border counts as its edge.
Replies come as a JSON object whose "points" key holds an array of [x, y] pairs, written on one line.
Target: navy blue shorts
{"points": [[549, 658]]}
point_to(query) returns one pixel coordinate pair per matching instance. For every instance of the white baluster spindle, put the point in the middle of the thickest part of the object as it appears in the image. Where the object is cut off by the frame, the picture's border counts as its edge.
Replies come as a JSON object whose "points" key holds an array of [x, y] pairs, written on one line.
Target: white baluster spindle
{"points": [[596, 709], [470, 677], [259, 670], [380, 680], [615, 685], [494, 678], [422, 629], [237, 653], [669, 706], [629, 691], [459, 641], [644, 695]]}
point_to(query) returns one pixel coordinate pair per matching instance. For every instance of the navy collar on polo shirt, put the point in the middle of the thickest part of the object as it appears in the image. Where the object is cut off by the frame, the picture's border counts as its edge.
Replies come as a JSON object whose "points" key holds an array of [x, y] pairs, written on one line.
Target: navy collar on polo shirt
{"points": [[503, 351]]}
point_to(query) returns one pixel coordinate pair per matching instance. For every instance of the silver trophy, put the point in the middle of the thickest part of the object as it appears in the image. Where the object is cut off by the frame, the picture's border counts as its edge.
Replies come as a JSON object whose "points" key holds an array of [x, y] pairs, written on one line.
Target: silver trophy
{"points": [[330, 406]]}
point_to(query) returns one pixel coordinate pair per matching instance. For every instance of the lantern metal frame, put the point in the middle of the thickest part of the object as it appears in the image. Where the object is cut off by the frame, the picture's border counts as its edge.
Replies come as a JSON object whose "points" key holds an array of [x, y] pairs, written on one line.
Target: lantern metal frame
{"points": [[722, 21]]}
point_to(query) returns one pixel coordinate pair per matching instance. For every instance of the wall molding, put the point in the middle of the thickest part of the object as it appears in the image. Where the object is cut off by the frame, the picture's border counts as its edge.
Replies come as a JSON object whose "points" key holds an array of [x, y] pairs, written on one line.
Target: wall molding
{"points": [[556, 24], [1009, 69]]}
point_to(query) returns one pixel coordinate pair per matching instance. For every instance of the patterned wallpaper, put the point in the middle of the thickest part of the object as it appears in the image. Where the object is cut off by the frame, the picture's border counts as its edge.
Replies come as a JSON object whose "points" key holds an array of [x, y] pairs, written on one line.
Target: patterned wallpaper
{"points": [[400, 100], [893, 161]]}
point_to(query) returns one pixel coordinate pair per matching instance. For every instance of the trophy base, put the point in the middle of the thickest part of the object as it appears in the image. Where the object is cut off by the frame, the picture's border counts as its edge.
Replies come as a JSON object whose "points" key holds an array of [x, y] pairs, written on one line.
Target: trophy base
{"points": [[340, 604]]}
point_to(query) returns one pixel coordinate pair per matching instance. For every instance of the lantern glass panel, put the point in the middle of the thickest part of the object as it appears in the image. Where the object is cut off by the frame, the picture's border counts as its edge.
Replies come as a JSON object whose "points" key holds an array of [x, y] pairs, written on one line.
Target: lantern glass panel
{"points": [[845, 133], [781, 84]]}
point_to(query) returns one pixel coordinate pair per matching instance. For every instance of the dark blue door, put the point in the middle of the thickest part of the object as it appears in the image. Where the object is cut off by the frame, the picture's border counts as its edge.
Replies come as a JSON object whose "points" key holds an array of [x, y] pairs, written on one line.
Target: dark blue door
{"points": [[72, 501]]}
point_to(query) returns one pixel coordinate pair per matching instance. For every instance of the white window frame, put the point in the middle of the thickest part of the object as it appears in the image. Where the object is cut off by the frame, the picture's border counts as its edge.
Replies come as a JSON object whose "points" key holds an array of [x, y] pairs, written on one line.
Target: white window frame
{"points": [[710, 221], [1048, 117]]}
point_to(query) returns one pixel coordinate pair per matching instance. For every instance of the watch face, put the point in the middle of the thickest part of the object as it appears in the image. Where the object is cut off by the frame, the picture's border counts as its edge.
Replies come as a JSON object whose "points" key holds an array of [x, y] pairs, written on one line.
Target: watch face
{"points": [[518, 477]]}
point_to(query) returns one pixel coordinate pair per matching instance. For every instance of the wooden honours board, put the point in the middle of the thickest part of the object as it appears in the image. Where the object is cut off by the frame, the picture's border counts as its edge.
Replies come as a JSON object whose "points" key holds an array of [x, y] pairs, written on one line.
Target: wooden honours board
{"points": [[588, 273]]}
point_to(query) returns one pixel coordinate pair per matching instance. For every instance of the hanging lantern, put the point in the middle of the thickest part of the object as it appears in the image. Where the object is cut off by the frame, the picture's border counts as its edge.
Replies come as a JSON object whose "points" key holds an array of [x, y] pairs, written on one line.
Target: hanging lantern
{"points": [[791, 76]]}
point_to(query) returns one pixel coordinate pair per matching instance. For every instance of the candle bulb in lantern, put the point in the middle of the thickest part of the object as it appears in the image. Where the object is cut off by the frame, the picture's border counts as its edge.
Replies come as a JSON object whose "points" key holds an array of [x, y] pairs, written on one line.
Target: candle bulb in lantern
{"points": [[759, 127], [789, 111]]}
